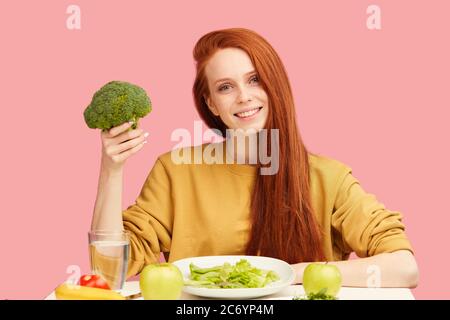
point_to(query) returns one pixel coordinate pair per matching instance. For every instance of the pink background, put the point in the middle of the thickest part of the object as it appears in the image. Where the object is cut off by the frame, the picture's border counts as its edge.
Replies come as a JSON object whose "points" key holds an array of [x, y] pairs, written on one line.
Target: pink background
{"points": [[376, 100]]}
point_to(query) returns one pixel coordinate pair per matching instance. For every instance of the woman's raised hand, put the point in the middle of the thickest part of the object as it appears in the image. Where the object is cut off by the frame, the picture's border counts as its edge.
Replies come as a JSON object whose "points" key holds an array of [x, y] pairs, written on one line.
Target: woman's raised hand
{"points": [[119, 143]]}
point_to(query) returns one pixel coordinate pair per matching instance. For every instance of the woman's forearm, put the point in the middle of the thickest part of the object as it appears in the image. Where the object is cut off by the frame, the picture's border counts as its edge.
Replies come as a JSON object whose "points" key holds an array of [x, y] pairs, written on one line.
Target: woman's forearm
{"points": [[397, 269], [108, 204], [118, 144]]}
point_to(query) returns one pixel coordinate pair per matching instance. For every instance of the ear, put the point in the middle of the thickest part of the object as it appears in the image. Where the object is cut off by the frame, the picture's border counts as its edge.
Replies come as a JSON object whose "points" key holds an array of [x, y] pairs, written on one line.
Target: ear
{"points": [[211, 107]]}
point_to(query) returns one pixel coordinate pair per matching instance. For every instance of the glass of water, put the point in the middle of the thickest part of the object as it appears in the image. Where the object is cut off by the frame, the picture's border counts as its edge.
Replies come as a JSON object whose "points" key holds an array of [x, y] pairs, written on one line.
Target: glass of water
{"points": [[108, 253]]}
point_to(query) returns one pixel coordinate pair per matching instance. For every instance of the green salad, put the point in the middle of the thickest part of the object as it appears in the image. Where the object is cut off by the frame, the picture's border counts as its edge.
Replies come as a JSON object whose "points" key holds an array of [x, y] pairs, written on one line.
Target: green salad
{"points": [[227, 276]]}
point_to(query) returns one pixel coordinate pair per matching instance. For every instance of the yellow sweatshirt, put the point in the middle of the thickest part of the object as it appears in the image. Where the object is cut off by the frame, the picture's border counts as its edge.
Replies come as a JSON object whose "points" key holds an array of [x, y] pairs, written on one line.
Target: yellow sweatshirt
{"points": [[187, 210]]}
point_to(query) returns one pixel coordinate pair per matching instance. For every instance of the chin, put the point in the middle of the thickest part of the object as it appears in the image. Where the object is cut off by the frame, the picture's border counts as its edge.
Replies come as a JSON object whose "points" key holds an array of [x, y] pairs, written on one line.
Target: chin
{"points": [[255, 128]]}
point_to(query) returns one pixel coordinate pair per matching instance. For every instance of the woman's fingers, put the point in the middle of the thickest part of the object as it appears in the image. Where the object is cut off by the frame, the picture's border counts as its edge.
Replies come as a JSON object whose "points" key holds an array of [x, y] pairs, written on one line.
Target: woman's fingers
{"points": [[120, 142], [121, 157], [128, 144], [127, 135], [115, 131]]}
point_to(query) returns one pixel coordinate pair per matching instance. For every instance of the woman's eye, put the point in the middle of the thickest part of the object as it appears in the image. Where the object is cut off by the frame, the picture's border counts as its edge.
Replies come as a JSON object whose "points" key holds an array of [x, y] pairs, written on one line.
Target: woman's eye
{"points": [[227, 86], [224, 87], [255, 78]]}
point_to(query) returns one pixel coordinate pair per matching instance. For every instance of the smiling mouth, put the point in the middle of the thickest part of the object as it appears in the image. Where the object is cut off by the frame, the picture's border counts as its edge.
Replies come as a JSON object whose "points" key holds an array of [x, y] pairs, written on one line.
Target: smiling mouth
{"points": [[248, 113]]}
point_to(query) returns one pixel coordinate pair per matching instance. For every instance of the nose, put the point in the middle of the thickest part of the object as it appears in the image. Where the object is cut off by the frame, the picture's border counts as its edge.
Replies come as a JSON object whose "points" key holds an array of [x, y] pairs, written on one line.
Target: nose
{"points": [[244, 96]]}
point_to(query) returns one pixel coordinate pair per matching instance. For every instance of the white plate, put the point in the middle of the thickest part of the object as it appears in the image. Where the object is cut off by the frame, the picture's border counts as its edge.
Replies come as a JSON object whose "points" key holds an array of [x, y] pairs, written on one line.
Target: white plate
{"points": [[282, 268]]}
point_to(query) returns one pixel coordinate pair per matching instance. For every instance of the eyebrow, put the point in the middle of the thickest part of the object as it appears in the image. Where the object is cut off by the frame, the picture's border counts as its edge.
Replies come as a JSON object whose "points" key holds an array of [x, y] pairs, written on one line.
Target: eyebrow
{"points": [[248, 73]]}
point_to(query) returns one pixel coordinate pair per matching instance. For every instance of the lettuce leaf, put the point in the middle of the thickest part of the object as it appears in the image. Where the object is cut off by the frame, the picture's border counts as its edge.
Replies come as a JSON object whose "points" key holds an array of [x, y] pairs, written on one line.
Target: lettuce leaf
{"points": [[227, 276]]}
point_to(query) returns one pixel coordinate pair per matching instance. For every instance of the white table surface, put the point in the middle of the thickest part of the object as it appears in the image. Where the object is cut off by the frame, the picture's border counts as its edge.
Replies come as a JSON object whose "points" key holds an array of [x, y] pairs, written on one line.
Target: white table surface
{"points": [[288, 293]]}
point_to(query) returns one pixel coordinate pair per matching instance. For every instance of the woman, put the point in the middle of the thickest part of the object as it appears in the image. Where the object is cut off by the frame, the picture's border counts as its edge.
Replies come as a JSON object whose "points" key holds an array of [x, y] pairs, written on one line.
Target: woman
{"points": [[311, 209]]}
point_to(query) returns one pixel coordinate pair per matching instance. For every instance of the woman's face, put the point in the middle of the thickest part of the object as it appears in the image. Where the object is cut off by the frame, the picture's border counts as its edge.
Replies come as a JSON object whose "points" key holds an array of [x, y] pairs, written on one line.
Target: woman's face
{"points": [[236, 94]]}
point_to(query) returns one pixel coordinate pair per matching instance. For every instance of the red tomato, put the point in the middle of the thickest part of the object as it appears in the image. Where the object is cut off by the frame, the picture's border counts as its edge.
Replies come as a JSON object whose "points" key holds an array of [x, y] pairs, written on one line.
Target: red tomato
{"points": [[93, 280]]}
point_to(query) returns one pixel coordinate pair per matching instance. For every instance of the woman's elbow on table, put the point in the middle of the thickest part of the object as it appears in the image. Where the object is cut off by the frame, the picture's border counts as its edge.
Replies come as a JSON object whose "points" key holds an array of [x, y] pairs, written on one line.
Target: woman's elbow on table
{"points": [[413, 276], [409, 270]]}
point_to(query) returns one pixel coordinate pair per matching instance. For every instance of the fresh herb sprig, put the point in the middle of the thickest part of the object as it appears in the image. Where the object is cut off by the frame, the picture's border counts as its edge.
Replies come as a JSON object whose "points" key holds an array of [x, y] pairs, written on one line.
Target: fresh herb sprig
{"points": [[321, 295]]}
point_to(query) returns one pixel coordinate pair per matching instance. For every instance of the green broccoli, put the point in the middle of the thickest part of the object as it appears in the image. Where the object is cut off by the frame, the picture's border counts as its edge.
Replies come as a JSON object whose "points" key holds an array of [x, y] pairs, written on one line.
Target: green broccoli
{"points": [[115, 103]]}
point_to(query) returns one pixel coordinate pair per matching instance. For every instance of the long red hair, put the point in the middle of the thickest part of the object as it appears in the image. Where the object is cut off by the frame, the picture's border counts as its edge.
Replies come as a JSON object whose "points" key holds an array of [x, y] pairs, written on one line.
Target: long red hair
{"points": [[283, 223]]}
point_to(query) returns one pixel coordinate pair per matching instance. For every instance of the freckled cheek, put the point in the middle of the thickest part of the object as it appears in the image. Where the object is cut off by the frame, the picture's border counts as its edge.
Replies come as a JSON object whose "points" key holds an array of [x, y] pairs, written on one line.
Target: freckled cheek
{"points": [[262, 96], [225, 112], [226, 106]]}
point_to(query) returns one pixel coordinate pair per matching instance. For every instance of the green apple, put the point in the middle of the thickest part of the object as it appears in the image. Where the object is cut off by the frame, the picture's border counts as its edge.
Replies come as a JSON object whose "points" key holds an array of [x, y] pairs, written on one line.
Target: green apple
{"points": [[161, 281], [324, 278]]}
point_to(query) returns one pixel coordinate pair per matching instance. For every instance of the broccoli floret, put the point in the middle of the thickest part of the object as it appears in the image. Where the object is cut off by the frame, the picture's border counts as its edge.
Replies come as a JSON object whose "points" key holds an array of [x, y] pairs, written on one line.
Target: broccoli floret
{"points": [[115, 103]]}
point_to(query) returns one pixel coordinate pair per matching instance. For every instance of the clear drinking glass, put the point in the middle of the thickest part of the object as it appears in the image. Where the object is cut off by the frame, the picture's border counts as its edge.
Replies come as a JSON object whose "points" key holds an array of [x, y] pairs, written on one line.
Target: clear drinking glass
{"points": [[108, 253]]}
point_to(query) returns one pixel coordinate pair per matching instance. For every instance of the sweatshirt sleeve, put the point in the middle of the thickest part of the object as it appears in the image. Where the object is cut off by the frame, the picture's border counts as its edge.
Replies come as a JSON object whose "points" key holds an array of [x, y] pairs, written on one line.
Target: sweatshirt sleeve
{"points": [[364, 224], [149, 221]]}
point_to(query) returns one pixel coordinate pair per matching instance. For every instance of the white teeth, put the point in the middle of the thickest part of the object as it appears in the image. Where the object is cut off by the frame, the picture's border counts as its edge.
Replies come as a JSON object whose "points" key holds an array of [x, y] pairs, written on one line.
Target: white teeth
{"points": [[248, 113]]}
